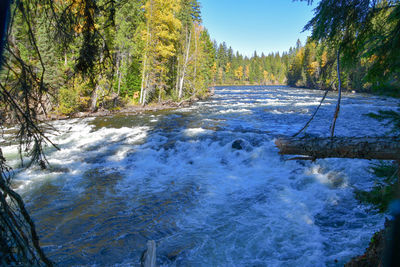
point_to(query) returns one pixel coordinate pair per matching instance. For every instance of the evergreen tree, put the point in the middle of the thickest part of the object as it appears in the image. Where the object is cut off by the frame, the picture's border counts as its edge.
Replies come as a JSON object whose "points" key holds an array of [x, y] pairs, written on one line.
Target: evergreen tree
{"points": [[362, 29]]}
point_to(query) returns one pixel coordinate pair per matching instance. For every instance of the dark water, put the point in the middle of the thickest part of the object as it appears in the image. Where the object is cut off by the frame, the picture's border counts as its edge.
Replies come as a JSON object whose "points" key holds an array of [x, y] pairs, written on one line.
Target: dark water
{"points": [[173, 177]]}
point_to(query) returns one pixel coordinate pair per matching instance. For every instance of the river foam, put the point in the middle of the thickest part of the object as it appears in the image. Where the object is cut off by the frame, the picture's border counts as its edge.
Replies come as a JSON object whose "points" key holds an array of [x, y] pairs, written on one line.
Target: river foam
{"points": [[174, 177]]}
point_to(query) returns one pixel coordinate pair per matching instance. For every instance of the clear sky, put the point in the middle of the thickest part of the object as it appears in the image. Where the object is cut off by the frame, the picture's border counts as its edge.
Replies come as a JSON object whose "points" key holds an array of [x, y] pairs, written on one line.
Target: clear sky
{"points": [[261, 25]]}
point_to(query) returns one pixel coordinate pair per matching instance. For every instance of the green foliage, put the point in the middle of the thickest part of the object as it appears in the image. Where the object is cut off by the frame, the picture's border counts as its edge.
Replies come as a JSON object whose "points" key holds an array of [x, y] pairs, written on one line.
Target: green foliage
{"points": [[390, 117], [132, 80], [382, 41], [367, 34], [384, 191], [158, 46], [69, 101], [207, 60], [75, 96], [109, 47], [233, 68]]}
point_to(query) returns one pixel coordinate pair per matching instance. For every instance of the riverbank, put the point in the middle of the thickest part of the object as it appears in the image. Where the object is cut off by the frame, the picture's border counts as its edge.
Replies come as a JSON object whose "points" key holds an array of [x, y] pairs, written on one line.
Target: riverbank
{"points": [[119, 181], [127, 110], [248, 84], [378, 252]]}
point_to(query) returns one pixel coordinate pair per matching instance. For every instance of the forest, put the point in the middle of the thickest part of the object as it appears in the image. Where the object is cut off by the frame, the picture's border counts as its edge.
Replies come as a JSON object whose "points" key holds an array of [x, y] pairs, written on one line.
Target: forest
{"points": [[62, 57], [359, 40], [73, 56], [364, 39], [110, 54], [232, 68], [84, 55]]}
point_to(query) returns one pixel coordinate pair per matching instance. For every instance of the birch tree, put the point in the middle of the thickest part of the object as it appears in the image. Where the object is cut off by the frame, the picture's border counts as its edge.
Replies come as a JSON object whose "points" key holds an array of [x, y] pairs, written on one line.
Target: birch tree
{"points": [[161, 36], [189, 16]]}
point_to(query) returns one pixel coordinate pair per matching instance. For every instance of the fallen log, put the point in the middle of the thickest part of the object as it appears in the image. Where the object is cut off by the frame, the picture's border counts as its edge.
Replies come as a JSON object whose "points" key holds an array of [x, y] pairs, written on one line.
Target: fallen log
{"points": [[383, 148]]}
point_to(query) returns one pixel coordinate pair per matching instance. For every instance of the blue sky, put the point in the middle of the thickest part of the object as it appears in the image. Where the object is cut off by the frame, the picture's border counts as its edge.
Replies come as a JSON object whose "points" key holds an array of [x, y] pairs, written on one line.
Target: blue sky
{"points": [[261, 25]]}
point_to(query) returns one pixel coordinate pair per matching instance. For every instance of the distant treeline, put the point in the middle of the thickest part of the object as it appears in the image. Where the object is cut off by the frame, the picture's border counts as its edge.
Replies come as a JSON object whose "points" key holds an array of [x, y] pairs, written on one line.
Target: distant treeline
{"points": [[315, 66], [66, 56], [231, 68], [359, 38]]}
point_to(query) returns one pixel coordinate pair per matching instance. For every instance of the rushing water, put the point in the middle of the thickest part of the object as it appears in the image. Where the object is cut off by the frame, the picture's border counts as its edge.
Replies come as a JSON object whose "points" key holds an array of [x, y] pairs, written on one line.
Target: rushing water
{"points": [[173, 177]]}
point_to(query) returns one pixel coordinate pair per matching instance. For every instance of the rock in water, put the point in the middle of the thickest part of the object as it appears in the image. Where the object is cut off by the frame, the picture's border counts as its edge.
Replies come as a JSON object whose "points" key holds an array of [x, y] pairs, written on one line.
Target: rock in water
{"points": [[238, 144]]}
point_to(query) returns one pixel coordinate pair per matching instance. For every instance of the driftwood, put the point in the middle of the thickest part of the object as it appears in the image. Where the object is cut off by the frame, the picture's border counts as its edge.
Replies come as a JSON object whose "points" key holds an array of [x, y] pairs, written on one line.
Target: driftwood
{"points": [[383, 148], [315, 113], [339, 95]]}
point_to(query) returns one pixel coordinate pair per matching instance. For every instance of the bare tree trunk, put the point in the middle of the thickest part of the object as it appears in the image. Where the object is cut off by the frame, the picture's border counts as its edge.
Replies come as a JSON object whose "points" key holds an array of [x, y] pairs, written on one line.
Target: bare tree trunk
{"points": [[160, 87], [177, 77], [144, 92], [315, 113], [119, 82], [95, 94], [119, 75], [339, 95], [184, 67], [93, 99], [384, 148], [195, 61], [142, 99]]}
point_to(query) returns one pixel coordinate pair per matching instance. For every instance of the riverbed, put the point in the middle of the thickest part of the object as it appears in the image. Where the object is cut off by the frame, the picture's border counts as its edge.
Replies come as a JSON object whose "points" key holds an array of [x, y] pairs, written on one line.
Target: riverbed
{"points": [[173, 177]]}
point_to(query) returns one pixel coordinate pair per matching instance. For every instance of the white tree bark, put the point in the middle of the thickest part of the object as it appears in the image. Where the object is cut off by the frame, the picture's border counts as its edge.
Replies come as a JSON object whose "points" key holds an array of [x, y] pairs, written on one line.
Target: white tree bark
{"points": [[184, 67], [143, 85]]}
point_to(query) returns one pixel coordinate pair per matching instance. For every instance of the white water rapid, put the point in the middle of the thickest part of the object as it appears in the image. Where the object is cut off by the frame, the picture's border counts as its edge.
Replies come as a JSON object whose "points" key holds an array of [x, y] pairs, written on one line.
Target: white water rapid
{"points": [[173, 177]]}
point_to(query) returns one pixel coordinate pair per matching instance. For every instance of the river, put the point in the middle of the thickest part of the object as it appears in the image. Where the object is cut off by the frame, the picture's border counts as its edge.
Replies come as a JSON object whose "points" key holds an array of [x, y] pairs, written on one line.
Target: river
{"points": [[173, 177]]}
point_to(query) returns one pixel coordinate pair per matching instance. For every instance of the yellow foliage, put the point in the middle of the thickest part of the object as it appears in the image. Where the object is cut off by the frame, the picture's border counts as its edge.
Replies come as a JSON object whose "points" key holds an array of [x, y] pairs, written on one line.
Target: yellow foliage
{"points": [[239, 73], [247, 72], [84, 100], [372, 59], [266, 75], [324, 59], [300, 55], [214, 68], [313, 68], [272, 77], [162, 29], [220, 73], [77, 8], [228, 67]]}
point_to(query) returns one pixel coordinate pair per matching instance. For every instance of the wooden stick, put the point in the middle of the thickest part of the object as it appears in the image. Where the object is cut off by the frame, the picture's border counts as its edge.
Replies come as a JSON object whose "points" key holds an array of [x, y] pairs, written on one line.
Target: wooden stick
{"points": [[339, 95], [315, 113], [149, 256]]}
